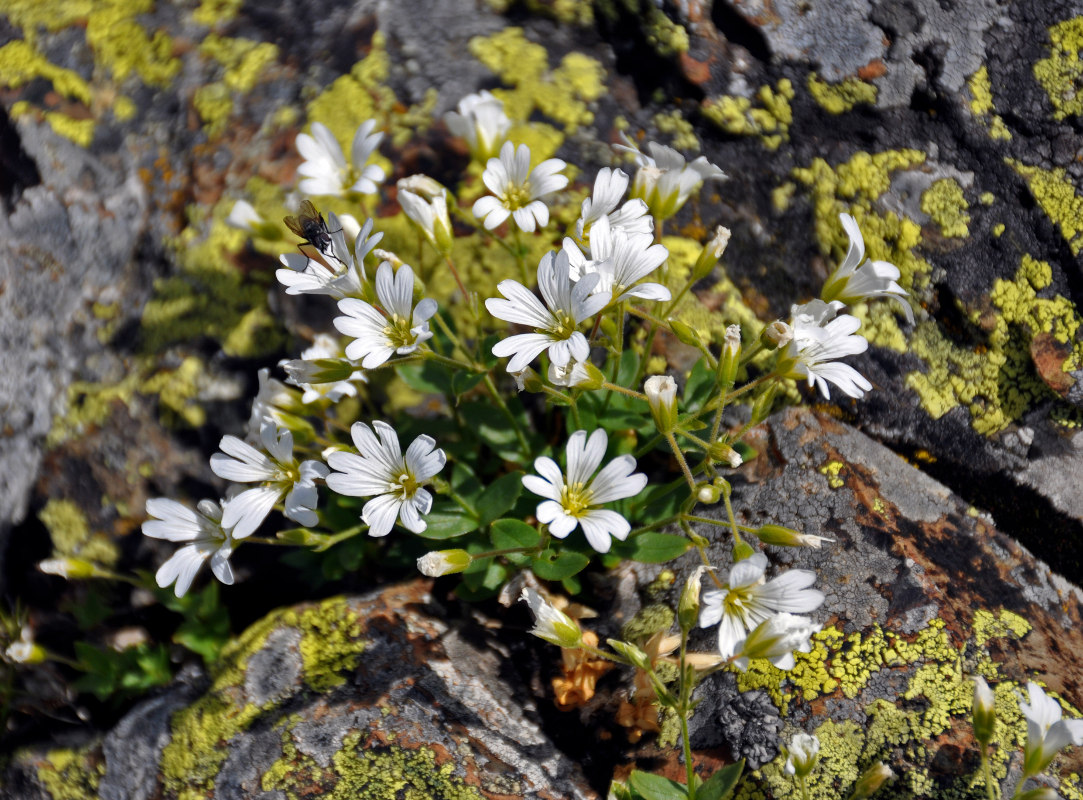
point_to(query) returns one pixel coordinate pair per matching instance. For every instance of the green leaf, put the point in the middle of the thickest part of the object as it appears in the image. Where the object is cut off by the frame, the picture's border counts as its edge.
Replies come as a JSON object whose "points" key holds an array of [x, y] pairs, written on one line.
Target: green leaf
{"points": [[649, 786], [482, 579], [492, 427], [427, 377], [652, 548], [448, 523], [698, 386], [626, 372], [553, 565], [463, 382], [499, 496], [615, 420], [721, 785], [509, 533]]}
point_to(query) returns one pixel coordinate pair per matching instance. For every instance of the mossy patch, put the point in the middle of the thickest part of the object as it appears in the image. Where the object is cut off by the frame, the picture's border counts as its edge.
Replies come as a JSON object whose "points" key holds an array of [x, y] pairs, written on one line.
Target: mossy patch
{"points": [[1061, 74], [72, 537], [838, 98], [71, 774], [769, 121], [982, 107], [1057, 196], [947, 207], [330, 643], [673, 124]]}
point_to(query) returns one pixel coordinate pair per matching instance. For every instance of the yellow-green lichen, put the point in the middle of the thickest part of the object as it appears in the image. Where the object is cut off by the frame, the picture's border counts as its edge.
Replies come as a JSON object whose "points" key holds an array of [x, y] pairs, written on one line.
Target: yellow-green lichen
{"points": [[982, 107], [375, 773], [987, 625], [176, 390], [211, 12], [72, 537], [1061, 74], [838, 98], [1058, 198], [244, 61], [770, 121], [88, 404], [20, 63], [71, 774], [673, 123], [201, 732], [561, 94], [947, 207], [998, 229], [122, 45], [833, 470], [995, 380], [80, 131], [214, 104], [569, 12]]}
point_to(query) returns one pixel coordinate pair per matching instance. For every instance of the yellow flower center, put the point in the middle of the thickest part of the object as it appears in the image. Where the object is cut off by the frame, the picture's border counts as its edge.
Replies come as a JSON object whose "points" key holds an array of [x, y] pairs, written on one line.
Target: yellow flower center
{"points": [[565, 326], [398, 332], [576, 498], [407, 485], [516, 196]]}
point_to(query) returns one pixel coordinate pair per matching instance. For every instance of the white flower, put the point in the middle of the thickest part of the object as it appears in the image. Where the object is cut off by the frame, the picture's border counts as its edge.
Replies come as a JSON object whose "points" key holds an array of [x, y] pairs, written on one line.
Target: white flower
{"points": [[379, 468], [205, 536], [555, 323], [325, 169], [609, 188], [551, 624], [854, 281], [661, 391], [819, 337], [401, 328], [279, 475], [482, 122], [332, 270], [575, 373], [1047, 732], [274, 403], [776, 638], [575, 500], [748, 600], [620, 260], [518, 190], [324, 346], [664, 179], [802, 754], [983, 711], [244, 217], [425, 202]]}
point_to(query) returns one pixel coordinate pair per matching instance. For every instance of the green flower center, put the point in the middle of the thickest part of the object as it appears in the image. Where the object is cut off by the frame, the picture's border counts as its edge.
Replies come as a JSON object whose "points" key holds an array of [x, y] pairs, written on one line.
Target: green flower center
{"points": [[407, 485], [398, 332], [565, 326], [516, 197], [576, 498]]}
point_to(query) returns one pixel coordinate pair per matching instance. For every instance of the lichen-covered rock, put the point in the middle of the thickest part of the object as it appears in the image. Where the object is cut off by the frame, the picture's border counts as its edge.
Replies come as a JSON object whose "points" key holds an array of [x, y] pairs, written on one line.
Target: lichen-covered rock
{"points": [[922, 593], [346, 698]]}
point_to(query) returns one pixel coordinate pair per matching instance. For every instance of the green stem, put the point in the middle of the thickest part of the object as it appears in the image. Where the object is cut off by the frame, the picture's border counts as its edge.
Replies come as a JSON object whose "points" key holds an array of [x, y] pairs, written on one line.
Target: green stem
{"points": [[682, 712], [629, 392], [654, 525], [681, 460], [520, 255], [455, 363], [733, 520], [450, 334], [642, 370], [524, 447], [803, 783], [988, 774]]}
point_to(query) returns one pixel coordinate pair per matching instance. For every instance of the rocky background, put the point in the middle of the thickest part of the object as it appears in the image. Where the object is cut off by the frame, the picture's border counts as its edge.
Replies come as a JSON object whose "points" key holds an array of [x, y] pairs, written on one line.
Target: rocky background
{"points": [[134, 322]]}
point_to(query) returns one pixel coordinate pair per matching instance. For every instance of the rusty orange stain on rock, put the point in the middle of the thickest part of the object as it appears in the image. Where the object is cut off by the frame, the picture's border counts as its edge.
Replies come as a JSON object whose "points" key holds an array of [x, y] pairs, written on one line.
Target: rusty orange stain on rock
{"points": [[874, 69]]}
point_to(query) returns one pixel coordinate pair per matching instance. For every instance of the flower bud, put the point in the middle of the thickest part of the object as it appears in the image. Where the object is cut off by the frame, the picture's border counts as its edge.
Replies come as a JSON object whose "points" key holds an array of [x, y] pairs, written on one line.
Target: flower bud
{"points": [[634, 655], [443, 562], [425, 202], [777, 334], [685, 333], [25, 652], [722, 451], [319, 370], [554, 626], [661, 391], [712, 251], [775, 639], [983, 712], [872, 779], [578, 374], [70, 568], [730, 358], [708, 494], [743, 550], [802, 755], [761, 406], [788, 537], [688, 605]]}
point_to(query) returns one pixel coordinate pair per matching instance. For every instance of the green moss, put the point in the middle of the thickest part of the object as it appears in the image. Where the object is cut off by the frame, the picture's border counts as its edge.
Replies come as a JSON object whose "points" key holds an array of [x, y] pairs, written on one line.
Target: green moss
{"points": [[837, 98], [1057, 196], [201, 732], [982, 107], [1061, 74], [71, 774], [176, 390], [770, 121], [672, 123], [947, 207], [561, 94], [72, 537]]}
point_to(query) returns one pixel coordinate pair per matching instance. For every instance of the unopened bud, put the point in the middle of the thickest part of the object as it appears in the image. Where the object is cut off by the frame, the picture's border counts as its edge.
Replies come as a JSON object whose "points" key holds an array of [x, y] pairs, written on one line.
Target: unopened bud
{"points": [[688, 605], [730, 358], [777, 334], [634, 655], [708, 494], [25, 652], [443, 562], [387, 255], [661, 391], [871, 781], [70, 568], [685, 332], [802, 754], [529, 380], [761, 406], [1041, 793], [320, 370], [722, 451], [712, 251], [743, 550], [550, 624], [787, 537], [983, 712]]}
